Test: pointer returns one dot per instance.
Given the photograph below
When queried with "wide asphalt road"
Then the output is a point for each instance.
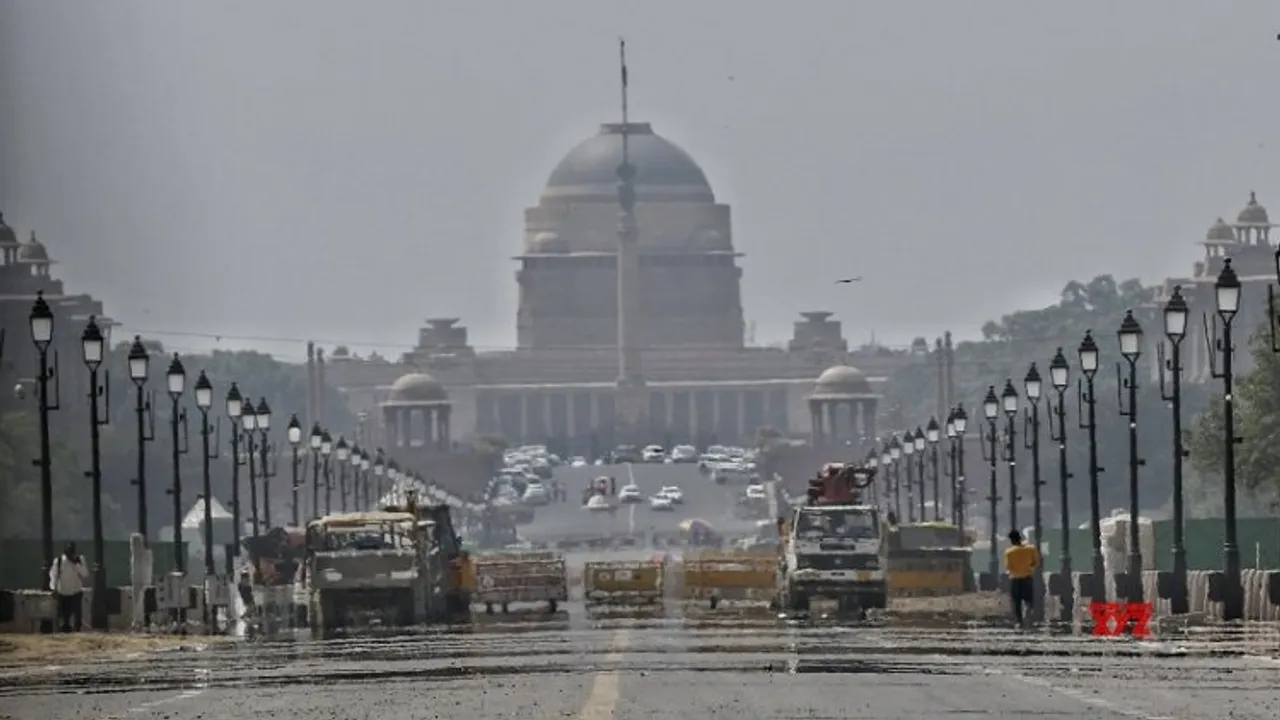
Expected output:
(740, 668)
(703, 499)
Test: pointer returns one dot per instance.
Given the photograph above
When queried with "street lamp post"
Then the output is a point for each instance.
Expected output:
(249, 423)
(886, 465)
(1227, 295)
(1130, 335)
(895, 454)
(1058, 377)
(961, 421)
(1009, 403)
(1175, 328)
(92, 343)
(918, 441)
(326, 447)
(41, 322)
(342, 452)
(932, 434)
(139, 366)
(1033, 386)
(950, 429)
(1088, 352)
(908, 451)
(379, 469)
(204, 401)
(262, 419)
(235, 409)
(176, 379)
(872, 462)
(294, 433)
(357, 503)
(314, 441)
(991, 410)
(364, 474)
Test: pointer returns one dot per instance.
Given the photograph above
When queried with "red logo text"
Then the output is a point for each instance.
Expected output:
(1111, 618)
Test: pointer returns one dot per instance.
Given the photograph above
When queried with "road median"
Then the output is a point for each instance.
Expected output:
(24, 650)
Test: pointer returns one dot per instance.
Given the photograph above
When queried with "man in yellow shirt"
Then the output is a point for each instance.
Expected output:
(1021, 562)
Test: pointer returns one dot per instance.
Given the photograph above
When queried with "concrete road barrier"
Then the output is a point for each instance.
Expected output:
(1259, 602)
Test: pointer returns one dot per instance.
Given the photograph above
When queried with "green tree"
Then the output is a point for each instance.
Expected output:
(20, 482)
(1257, 425)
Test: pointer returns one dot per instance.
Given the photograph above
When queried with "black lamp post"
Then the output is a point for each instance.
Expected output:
(249, 423)
(357, 503)
(1130, 335)
(908, 452)
(364, 478)
(1058, 377)
(41, 321)
(326, 447)
(343, 454)
(918, 442)
(872, 462)
(1009, 403)
(314, 440)
(1175, 328)
(379, 470)
(960, 420)
(950, 430)
(1227, 295)
(176, 380)
(1085, 396)
(991, 410)
(92, 343)
(886, 465)
(932, 434)
(139, 366)
(1033, 386)
(895, 454)
(262, 420)
(235, 408)
(294, 433)
(204, 401)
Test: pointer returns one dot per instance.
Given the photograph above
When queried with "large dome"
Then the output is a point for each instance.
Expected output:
(664, 171)
(417, 388)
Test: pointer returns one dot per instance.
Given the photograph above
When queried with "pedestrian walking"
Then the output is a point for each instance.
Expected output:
(66, 579)
(1021, 562)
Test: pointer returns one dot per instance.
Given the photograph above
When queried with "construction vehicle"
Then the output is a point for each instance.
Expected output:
(927, 559)
(520, 577)
(362, 563)
(831, 546)
(458, 573)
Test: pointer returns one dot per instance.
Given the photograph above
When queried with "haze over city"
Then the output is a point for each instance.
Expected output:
(325, 170)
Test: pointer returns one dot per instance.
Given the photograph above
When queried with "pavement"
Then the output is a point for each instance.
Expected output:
(703, 499)
(721, 665)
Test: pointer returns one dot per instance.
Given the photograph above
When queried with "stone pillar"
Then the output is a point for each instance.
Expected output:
(833, 417)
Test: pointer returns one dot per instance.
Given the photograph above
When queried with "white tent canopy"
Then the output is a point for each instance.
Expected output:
(195, 517)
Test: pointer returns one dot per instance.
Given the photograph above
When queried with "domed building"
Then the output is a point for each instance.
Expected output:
(694, 375)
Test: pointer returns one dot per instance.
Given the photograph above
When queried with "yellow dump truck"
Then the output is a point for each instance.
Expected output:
(928, 559)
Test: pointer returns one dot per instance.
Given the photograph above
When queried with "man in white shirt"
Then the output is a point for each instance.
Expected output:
(66, 579)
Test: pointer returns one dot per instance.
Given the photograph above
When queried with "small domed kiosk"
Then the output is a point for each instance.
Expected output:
(842, 407)
(416, 413)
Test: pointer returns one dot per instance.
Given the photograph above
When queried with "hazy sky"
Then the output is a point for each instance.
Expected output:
(342, 170)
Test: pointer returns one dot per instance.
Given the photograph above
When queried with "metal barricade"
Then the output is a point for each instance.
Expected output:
(623, 582)
(508, 578)
(729, 575)
(927, 573)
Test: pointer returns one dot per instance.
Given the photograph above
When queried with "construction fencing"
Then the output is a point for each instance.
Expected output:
(718, 575)
(508, 578)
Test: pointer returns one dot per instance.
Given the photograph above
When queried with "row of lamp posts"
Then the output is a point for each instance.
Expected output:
(360, 473)
(1000, 447)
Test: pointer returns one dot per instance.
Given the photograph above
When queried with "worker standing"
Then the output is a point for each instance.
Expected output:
(1021, 562)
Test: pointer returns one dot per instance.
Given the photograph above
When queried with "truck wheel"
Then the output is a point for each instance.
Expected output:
(715, 601)
(504, 608)
(488, 608)
(552, 606)
(798, 602)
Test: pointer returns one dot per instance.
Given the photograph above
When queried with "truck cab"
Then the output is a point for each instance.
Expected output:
(834, 551)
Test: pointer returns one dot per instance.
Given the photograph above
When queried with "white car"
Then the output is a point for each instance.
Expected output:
(684, 454)
(536, 494)
(598, 503)
(672, 493)
(578, 462)
(629, 494)
(661, 503)
(653, 454)
(755, 492)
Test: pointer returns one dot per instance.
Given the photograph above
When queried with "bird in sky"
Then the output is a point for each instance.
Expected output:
(850, 280)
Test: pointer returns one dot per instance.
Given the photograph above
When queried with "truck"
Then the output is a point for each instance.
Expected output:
(832, 546)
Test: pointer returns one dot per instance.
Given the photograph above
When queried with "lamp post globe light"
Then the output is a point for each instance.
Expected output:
(1130, 336)
(235, 408)
(294, 435)
(1227, 297)
(1175, 328)
(139, 370)
(1059, 376)
(314, 440)
(1009, 404)
(932, 434)
(91, 344)
(262, 418)
(919, 442)
(40, 321)
(991, 411)
(1033, 386)
(176, 384)
(326, 447)
(248, 424)
(960, 420)
(342, 452)
(1088, 353)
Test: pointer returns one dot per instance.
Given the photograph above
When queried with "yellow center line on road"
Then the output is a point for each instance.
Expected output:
(606, 685)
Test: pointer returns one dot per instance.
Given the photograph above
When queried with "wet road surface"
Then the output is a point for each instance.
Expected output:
(722, 665)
